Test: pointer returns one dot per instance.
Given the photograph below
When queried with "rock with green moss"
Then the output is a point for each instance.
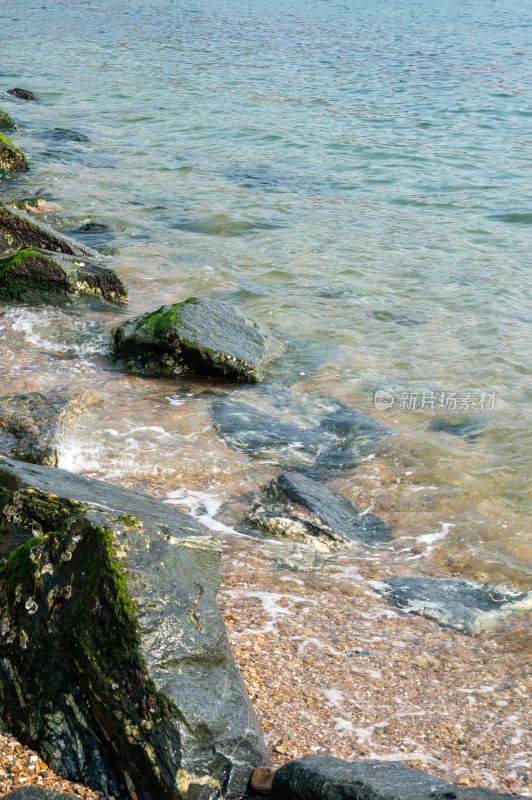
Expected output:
(198, 336)
(32, 425)
(114, 660)
(28, 203)
(32, 275)
(19, 229)
(11, 158)
(6, 123)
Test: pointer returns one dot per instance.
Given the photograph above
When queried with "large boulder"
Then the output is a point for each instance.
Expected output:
(32, 425)
(6, 123)
(19, 229)
(297, 507)
(11, 158)
(114, 660)
(456, 603)
(197, 336)
(328, 778)
(298, 430)
(32, 275)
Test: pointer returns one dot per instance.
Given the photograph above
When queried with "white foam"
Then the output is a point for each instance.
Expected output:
(203, 507)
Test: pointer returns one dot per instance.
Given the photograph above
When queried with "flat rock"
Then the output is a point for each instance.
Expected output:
(114, 660)
(328, 778)
(11, 158)
(6, 123)
(456, 602)
(33, 275)
(20, 229)
(197, 336)
(295, 429)
(468, 427)
(32, 425)
(36, 793)
(297, 507)
(22, 94)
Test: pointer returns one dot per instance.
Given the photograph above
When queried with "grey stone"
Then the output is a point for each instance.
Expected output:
(295, 506)
(327, 778)
(32, 425)
(36, 793)
(295, 429)
(456, 602)
(114, 660)
(197, 336)
(20, 229)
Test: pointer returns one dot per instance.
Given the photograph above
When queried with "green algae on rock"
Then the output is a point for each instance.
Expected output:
(114, 660)
(19, 229)
(6, 123)
(32, 275)
(11, 158)
(198, 336)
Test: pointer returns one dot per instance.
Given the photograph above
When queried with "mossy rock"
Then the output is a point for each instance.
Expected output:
(199, 337)
(115, 664)
(19, 229)
(11, 158)
(6, 123)
(32, 275)
(27, 203)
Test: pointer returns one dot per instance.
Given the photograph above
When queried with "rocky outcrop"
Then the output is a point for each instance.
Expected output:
(32, 425)
(456, 602)
(19, 229)
(11, 158)
(6, 123)
(114, 660)
(22, 94)
(32, 275)
(36, 793)
(327, 778)
(298, 430)
(198, 336)
(297, 507)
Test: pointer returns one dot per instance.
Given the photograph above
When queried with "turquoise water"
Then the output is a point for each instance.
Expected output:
(357, 177)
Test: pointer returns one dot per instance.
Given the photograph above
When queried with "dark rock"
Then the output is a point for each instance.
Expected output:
(327, 778)
(93, 227)
(114, 660)
(297, 507)
(32, 425)
(469, 427)
(32, 275)
(197, 336)
(11, 158)
(295, 429)
(66, 135)
(22, 230)
(36, 793)
(456, 602)
(22, 94)
(6, 123)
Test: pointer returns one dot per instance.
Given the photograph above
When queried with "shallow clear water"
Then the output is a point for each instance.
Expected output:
(357, 177)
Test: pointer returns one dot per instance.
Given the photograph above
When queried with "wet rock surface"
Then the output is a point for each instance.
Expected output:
(115, 664)
(22, 94)
(32, 425)
(456, 602)
(198, 336)
(6, 123)
(327, 778)
(295, 506)
(297, 430)
(19, 229)
(11, 159)
(33, 275)
(36, 793)
(468, 427)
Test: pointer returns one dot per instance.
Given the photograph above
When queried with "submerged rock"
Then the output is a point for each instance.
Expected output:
(6, 123)
(297, 507)
(32, 275)
(114, 660)
(295, 429)
(328, 778)
(27, 203)
(11, 158)
(22, 230)
(66, 135)
(22, 94)
(197, 336)
(469, 427)
(456, 602)
(32, 425)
